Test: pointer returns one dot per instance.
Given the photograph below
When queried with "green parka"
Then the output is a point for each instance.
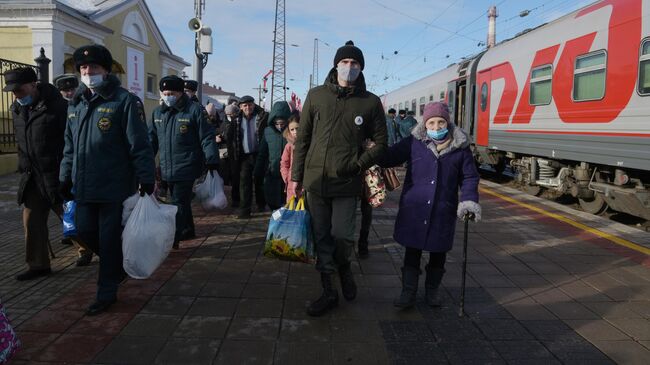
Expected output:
(328, 155)
(184, 138)
(270, 153)
(106, 151)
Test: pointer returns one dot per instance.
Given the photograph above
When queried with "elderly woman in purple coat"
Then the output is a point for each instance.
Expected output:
(439, 164)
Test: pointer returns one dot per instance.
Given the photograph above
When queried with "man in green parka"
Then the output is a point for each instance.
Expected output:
(180, 131)
(106, 155)
(267, 166)
(328, 160)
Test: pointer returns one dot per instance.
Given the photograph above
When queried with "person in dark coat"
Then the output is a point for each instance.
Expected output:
(106, 155)
(439, 165)
(231, 112)
(391, 127)
(179, 129)
(407, 124)
(67, 85)
(245, 135)
(267, 166)
(328, 160)
(39, 111)
(190, 88)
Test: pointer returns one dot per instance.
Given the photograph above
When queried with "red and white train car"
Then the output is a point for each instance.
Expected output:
(567, 104)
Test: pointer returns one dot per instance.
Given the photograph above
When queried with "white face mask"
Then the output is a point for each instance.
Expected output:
(92, 81)
(347, 73)
(169, 100)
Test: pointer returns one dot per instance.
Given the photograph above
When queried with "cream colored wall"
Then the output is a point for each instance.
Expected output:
(75, 40)
(16, 44)
(118, 46)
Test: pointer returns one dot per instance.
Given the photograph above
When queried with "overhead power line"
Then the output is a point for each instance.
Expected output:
(427, 25)
(420, 20)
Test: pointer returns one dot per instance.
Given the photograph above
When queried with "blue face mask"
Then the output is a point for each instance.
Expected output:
(169, 100)
(25, 101)
(437, 135)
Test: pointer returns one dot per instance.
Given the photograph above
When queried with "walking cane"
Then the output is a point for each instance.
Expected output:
(466, 218)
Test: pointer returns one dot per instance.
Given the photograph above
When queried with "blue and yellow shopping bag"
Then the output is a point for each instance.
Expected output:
(289, 236)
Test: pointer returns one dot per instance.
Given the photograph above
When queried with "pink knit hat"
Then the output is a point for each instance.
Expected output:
(435, 109)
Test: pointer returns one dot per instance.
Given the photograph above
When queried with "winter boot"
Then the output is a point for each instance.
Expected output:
(348, 286)
(431, 285)
(410, 276)
(329, 299)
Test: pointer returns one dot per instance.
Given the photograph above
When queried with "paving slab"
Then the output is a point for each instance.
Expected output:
(539, 291)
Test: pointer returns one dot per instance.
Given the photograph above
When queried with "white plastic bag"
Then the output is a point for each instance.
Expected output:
(148, 236)
(127, 207)
(210, 192)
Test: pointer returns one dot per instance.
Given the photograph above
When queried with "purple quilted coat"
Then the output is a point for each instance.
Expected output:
(427, 209)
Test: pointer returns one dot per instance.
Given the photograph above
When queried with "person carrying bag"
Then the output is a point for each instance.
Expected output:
(289, 236)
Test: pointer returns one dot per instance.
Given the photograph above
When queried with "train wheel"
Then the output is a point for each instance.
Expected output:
(595, 205)
(532, 189)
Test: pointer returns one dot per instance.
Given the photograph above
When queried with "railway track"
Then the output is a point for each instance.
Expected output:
(507, 178)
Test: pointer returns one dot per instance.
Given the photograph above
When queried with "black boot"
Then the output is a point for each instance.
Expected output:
(410, 277)
(348, 286)
(329, 299)
(431, 285)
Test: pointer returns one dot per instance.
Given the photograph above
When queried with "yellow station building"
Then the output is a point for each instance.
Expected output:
(126, 27)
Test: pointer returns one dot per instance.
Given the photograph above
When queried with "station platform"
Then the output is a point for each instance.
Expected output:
(545, 285)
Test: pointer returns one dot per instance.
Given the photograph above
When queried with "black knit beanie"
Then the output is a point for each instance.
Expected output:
(349, 51)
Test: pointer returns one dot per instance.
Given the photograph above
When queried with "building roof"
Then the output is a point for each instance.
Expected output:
(214, 90)
(92, 7)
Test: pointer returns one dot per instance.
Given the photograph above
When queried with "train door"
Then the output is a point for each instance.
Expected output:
(483, 115)
(450, 99)
(460, 105)
(456, 95)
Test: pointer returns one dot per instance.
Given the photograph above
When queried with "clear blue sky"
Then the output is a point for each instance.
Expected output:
(427, 35)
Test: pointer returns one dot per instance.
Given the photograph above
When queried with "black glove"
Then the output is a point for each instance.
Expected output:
(350, 170)
(212, 166)
(146, 189)
(65, 189)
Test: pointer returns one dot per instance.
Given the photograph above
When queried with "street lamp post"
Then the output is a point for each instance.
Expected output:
(202, 46)
(313, 82)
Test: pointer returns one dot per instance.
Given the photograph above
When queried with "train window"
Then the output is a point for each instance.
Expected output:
(442, 96)
(406, 105)
(484, 95)
(431, 97)
(644, 68)
(422, 101)
(413, 105)
(589, 76)
(450, 100)
(401, 106)
(540, 85)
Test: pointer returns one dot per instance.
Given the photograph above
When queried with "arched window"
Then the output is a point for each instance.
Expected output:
(135, 28)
